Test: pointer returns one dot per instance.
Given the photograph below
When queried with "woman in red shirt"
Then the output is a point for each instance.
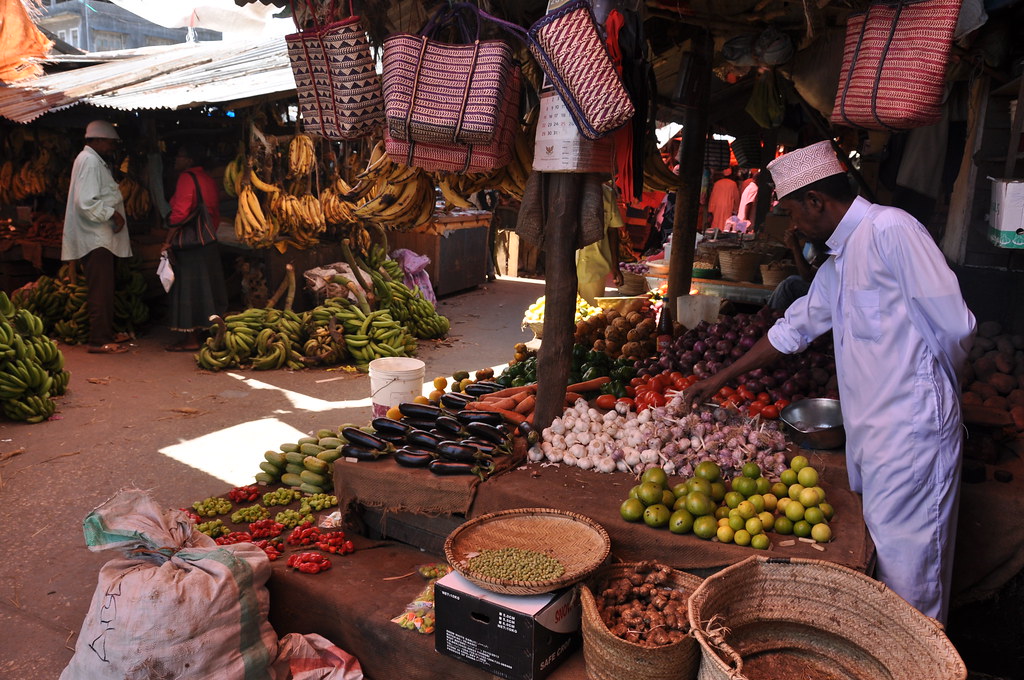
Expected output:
(199, 290)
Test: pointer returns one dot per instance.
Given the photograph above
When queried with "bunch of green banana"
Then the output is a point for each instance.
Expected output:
(415, 312)
(130, 309)
(263, 338)
(375, 335)
(31, 366)
(233, 172)
(45, 298)
(326, 343)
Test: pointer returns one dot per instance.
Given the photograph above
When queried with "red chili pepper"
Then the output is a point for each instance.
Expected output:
(304, 534)
(244, 494)
(265, 528)
(309, 563)
(234, 537)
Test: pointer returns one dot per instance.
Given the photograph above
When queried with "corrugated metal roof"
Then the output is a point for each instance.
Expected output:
(176, 77)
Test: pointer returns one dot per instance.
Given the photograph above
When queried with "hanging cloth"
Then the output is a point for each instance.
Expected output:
(622, 139)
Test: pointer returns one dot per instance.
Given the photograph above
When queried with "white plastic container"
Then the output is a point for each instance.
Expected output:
(394, 380)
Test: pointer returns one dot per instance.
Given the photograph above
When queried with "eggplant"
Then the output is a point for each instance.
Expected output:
(483, 445)
(370, 441)
(361, 452)
(427, 440)
(455, 400)
(418, 424)
(413, 457)
(392, 437)
(382, 425)
(460, 452)
(488, 432)
(449, 425)
(525, 429)
(447, 467)
(411, 409)
(479, 389)
(467, 417)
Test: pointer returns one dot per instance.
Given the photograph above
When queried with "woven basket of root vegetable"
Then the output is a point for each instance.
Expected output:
(527, 551)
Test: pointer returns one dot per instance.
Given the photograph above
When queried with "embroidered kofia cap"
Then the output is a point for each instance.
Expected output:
(799, 168)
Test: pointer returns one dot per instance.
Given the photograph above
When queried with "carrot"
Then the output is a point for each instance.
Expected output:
(518, 398)
(510, 416)
(511, 391)
(507, 403)
(571, 397)
(526, 406)
(589, 385)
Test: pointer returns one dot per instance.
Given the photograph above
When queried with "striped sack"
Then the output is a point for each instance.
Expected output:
(894, 64)
(575, 59)
(336, 80)
(444, 93)
(464, 158)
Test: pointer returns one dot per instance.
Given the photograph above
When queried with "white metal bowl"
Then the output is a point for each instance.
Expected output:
(815, 423)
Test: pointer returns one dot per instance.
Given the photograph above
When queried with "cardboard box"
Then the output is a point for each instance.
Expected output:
(518, 637)
(1006, 216)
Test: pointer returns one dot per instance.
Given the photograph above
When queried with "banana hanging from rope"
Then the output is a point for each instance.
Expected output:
(301, 155)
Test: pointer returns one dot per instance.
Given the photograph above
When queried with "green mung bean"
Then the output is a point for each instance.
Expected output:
(516, 564)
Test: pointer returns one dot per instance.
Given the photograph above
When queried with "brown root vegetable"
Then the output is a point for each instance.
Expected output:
(968, 398)
(1015, 397)
(1017, 413)
(1003, 383)
(982, 389)
(998, 403)
(988, 330)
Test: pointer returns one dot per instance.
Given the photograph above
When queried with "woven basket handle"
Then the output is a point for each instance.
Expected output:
(446, 15)
(714, 636)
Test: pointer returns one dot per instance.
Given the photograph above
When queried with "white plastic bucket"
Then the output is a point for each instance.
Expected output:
(394, 380)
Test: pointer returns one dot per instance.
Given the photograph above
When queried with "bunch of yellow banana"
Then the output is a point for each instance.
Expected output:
(252, 227)
(136, 197)
(233, 173)
(28, 181)
(405, 200)
(657, 176)
(337, 211)
(301, 155)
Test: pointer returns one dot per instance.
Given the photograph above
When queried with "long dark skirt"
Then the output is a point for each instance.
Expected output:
(198, 289)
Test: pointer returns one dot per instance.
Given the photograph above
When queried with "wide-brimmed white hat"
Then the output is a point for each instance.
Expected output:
(799, 168)
(100, 129)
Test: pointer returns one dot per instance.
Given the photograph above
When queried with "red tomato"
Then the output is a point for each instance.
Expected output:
(755, 408)
(636, 381)
(626, 400)
(770, 411)
(657, 399)
(727, 391)
(605, 401)
(781, 404)
(746, 394)
(657, 384)
(630, 391)
(764, 397)
(691, 379)
(676, 376)
(680, 383)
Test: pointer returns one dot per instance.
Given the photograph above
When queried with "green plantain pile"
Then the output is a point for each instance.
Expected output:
(31, 366)
(258, 338)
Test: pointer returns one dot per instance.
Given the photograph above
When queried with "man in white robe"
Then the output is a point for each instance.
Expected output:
(902, 332)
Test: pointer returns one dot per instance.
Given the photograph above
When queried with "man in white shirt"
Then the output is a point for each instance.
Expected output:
(94, 230)
(901, 332)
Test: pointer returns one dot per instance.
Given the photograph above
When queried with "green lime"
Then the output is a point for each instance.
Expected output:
(680, 503)
(794, 491)
(700, 484)
(767, 520)
(802, 528)
(783, 525)
(709, 470)
(717, 491)
(633, 491)
(681, 522)
(799, 463)
(722, 511)
(779, 490)
(787, 478)
(763, 485)
(814, 516)
(754, 526)
(649, 493)
(745, 485)
(631, 510)
(747, 509)
(807, 476)
(657, 515)
(668, 498)
(752, 470)
(733, 498)
(737, 522)
(760, 542)
(741, 537)
(809, 497)
(770, 502)
(795, 511)
(699, 503)
(656, 475)
(705, 527)
(681, 489)
(822, 533)
(725, 534)
(757, 500)
(827, 510)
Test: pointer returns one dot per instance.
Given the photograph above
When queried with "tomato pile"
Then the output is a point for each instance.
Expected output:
(652, 391)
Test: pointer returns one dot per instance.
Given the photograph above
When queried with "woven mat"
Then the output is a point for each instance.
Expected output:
(385, 484)
(598, 496)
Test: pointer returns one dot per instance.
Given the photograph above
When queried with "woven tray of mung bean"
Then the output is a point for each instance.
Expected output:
(527, 551)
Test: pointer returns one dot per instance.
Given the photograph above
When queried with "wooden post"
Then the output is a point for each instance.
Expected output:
(554, 359)
(693, 94)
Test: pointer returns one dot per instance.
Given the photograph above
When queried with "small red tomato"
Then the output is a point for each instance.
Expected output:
(636, 381)
(605, 401)
(630, 391)
(770, 411)
(727, 391)
(657, 399)
(627, 401)
(691, 379)
(755, 409)
(680, 383)
(657, 384)
(764, 397)
(746, 394)
(676, 376)
(781, 404)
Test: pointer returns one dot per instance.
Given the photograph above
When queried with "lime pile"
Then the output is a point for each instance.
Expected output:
(741, 511)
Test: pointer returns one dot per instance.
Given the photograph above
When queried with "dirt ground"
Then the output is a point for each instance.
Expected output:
(150, 419)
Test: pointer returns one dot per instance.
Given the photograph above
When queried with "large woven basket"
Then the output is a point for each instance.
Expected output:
(609, 657)
(769, 618)
(578, 542)
(773, 274)
(633, 284)
(739, 264)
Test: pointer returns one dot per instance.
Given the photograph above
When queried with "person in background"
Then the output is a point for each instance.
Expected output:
(199, 290)
(748, 198)
(807, 257)
(595, 261)
(902, 332)
(724, 200)
(95, 233)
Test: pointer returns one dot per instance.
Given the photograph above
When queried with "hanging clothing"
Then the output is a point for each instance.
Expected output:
(724, 202)
(595, 261)
(902, 331)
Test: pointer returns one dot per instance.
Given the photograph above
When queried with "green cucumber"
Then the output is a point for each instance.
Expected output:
(270, 468)
(295, 457)
(294, 468)
(330, 455)
(308, 440)
(288, 479)
(265, 478)
(326, 433)
(276, 458)
(314, 464)
(310, 477)
(331, 442)
(311, 449)
(289, 448)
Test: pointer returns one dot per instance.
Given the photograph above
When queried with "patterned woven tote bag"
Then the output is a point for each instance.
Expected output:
(445, 93)
(575, 59)
(894, 64)
(336, 80)
(465, 158)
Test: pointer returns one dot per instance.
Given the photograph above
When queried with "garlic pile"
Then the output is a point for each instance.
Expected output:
(625, 441)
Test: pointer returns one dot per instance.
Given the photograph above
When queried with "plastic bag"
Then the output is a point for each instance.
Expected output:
(317, 281)
(165, 272)
(314, 657)
(414, 265)
(419, 614)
